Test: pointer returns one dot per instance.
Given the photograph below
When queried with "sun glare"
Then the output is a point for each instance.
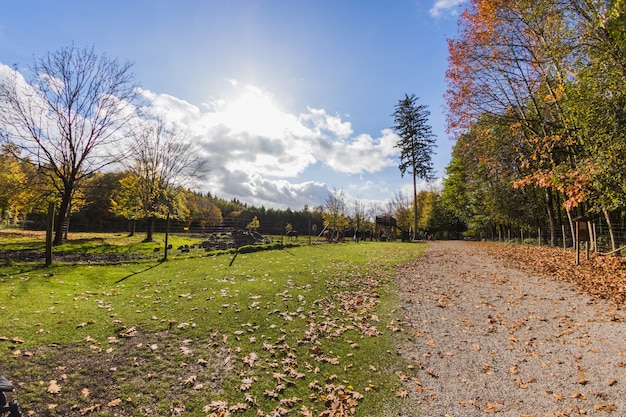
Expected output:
(257, 115)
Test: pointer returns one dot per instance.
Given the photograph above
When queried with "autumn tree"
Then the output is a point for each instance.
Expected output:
(160, 161)
(98, 191)
(255, 224)
(203, 211)
(416, 142)
(15, 190)
(65, 115)
(359, 218)
(335, 216)
(402, 210)
(513, 61)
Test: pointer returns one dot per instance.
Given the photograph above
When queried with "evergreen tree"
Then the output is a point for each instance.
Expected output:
(416, 143)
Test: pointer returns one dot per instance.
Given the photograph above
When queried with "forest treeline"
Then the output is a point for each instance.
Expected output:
(103, 203)
(536, 101)
(99, 205)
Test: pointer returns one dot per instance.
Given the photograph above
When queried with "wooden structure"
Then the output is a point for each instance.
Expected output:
(582, 235)
(386, 228)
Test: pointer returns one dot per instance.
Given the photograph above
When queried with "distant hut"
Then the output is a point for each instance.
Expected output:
(386, 228)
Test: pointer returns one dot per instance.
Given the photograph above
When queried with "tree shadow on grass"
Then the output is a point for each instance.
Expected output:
(137, 273)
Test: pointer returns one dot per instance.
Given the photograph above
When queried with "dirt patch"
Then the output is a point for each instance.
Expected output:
(491, 338)
(141, 374)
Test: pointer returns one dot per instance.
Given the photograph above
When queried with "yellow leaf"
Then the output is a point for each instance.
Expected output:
(85, 392)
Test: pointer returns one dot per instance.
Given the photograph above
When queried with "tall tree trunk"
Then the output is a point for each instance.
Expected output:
(571, 228)
(414, 202)
(167, 234)
(66, 199)
(609, 224)
(551, 219)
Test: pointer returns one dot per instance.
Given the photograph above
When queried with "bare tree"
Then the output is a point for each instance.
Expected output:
(72, 105)
(161, 161)
(360, 214)
(335, 214)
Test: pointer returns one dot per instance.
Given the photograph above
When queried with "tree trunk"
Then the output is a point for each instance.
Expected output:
(572, 229)
(414, 204)
(609, 224)
(149, 230)
(167, 234)
(132, 224)
(551, 219)
(62, 217)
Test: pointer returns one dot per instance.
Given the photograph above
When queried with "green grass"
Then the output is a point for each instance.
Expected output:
(307, 328)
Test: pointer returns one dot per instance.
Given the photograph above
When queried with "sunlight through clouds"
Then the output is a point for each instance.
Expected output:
(254, 147)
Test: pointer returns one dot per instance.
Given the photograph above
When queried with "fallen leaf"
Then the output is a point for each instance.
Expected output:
(190, 380)
(605, 407)
(53, 387)
(491, 408)
(402, 393)
(85, 392)
(114, 403)
(91, 409)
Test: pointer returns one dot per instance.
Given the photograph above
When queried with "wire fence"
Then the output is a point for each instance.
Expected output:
(597, 235)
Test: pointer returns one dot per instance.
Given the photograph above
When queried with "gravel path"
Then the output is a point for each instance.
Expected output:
(489, 338)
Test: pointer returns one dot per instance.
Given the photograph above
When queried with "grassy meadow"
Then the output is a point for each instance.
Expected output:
(306, 331)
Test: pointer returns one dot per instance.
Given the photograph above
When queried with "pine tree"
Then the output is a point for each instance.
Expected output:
(416, 143)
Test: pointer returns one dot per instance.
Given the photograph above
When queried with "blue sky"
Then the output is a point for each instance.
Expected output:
(288, 100)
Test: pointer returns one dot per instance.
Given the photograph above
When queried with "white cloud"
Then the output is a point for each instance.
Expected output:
(257, 151)
(445, 6)
(362, 153)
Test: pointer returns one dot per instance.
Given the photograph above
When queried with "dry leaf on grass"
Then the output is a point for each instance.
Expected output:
(90, 409)
(114, 403)
(402, 393)
(53, 387)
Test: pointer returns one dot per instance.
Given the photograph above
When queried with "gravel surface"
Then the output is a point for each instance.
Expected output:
(490, 339)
